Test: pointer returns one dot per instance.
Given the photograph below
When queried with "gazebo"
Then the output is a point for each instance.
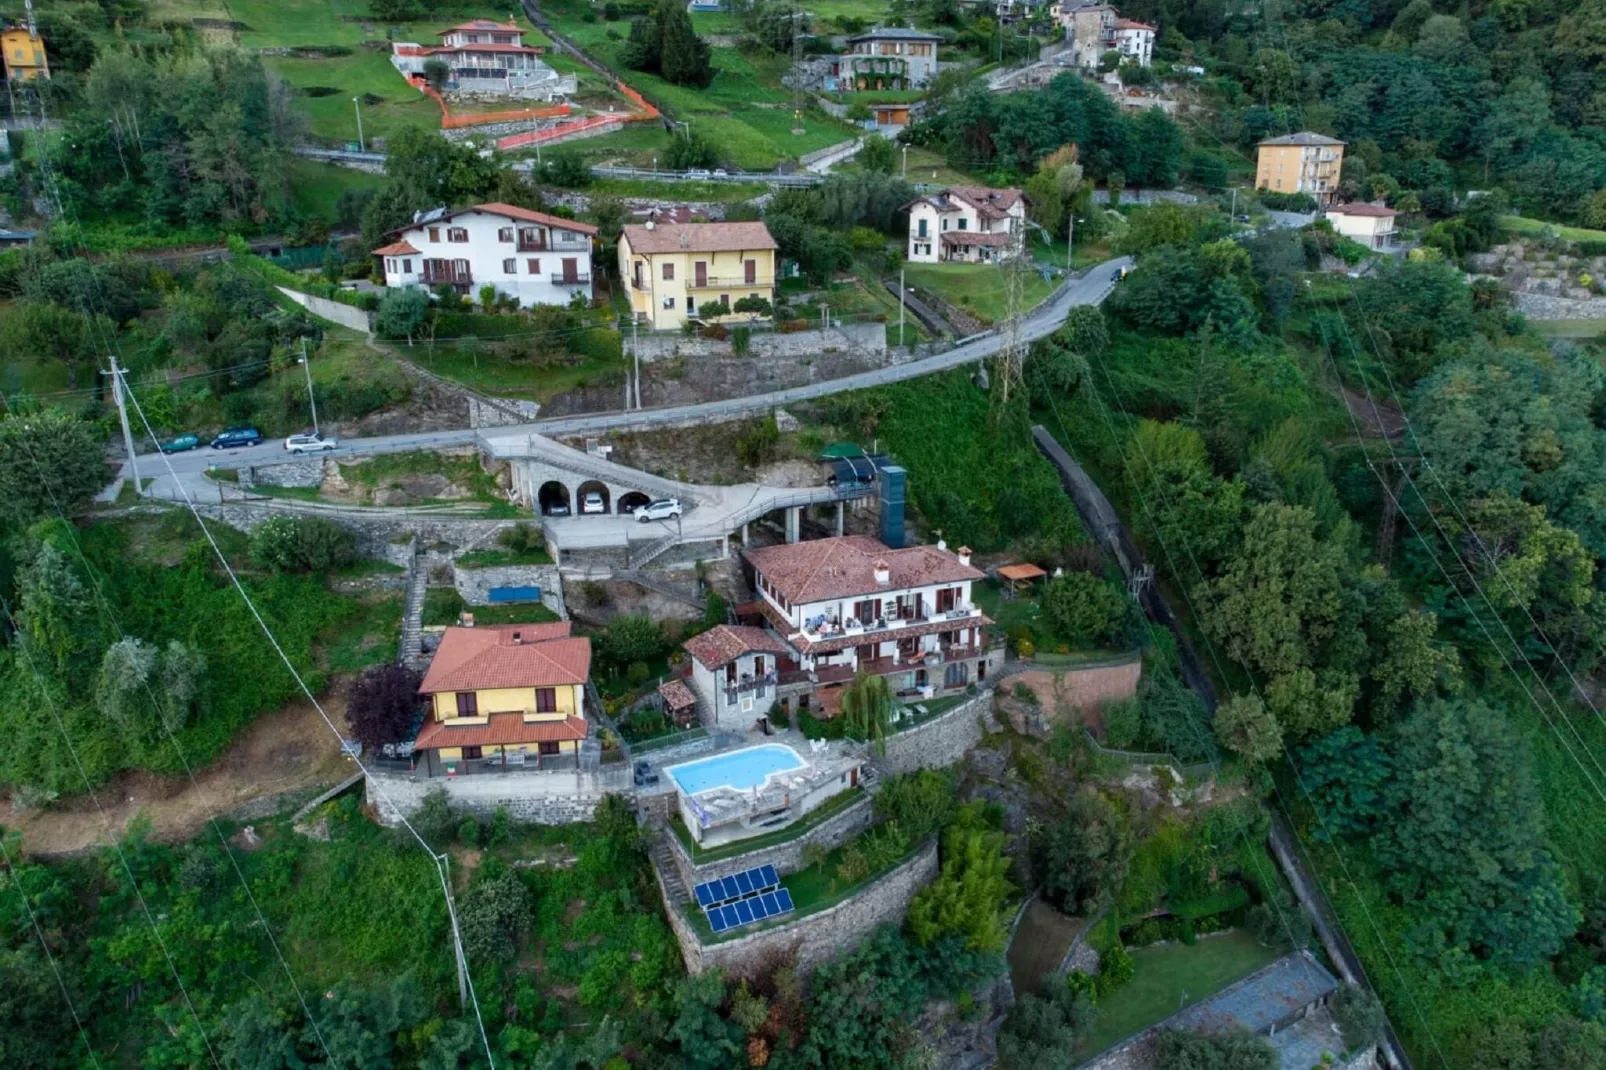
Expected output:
(679, 703)
(1014, 575)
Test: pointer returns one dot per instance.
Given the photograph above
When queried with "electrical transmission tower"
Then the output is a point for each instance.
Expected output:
(797, 70)
(1012, 358)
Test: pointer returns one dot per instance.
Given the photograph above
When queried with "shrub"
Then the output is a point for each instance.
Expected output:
(302, 544)
(1123, 724)
(468, 833)
(741, 341)
(522, 538)
(1115, 969)
(383, 704)
(433, 818)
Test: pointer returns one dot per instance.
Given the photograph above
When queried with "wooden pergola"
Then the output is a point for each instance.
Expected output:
(1014, 575)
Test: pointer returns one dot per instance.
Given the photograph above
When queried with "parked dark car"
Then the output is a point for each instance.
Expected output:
(180, 443)
(235, 437)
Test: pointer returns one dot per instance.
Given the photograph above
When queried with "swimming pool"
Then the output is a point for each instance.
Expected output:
(743, 770)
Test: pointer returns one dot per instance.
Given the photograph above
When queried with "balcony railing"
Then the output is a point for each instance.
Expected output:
(433, 276)
(713, 282)
(853, 627)
(560, 279)
(533, 246)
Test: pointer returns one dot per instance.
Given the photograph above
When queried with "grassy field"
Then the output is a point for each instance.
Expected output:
(1570, 328)
(317, 187)
(1531, 227)
(443, 605)
(1169, 978)
(980, 289)
(500, 377)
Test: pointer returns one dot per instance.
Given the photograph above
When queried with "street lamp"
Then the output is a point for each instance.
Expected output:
(906, 163)
(356, 103)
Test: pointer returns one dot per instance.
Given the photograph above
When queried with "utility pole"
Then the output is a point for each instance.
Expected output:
(635, 351)
(1070, 238)
(312, 402)
(356, 103)
(443, 864)
(906, 163)
(1234, 212)
(118, 388)
(797, 71)
(902, 296)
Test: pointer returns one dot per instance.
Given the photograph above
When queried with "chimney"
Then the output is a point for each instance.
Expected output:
(883, 573)
(466, 619)
(517, 639)
(964, 555)
(942, 544)
(650, 225)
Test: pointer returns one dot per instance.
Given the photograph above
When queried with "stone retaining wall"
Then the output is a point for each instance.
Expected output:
(333, 311)
(541, 798)
(810, 940)
(475, 584)
(942, 740)
(868, 341)
(785, 857)
(1545, 307)
(377, 536)
(301, 472)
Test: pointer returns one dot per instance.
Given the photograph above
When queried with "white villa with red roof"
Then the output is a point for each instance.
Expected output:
(833, 608)
(510, 695)
(538, 258)
(1370, 224)
(485, 57)
(967, 224)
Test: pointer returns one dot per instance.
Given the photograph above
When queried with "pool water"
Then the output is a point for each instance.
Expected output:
(742, 770)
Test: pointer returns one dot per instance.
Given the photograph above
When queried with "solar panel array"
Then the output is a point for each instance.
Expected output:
(743, 898)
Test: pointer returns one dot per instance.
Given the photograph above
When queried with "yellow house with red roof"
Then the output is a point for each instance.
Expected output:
(511, 695)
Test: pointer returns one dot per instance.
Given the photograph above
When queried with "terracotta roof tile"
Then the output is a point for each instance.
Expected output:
(824, 569)
(473, 659)
(514, 212)
(727, 642)
(396, 248)
(976, 237)
(676, 695)
(1361, 208)
(700, 238)
(501, 730)
(482, 24)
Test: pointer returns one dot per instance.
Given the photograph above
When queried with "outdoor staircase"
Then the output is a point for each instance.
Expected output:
(674, 887)
(412, 634)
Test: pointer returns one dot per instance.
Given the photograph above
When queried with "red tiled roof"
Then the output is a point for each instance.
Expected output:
(727, 642)
(396, 248)
(838, 568)
(436, 50)
(676, 695)
(489, 25)
(1131, 24)
(1361, 208)
(501, 730)
(699, 238)
(528, 216)
(473, 659)
(899, 630)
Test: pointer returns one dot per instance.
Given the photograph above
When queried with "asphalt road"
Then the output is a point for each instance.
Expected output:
(1091, 289)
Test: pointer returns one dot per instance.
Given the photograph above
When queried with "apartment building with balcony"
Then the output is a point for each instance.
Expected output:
(967, 224)
(1301, 163)
(887, 59)
(670, 271)
(538, 258)
(484, 56)
(851, 604)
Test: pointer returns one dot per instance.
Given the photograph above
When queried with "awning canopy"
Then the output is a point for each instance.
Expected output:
(1020, 573)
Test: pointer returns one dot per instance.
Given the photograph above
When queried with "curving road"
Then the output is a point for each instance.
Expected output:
(1091, 289)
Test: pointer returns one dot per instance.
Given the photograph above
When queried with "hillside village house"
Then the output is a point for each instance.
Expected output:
(888, 59)
(504, 696)
(734, 672)
(1370, 224)
(1300, 163)
(538, 258)
(24, 53)
(670, 271)
(485, 57)
(967, 224)
(851, 603)
(1094, 29)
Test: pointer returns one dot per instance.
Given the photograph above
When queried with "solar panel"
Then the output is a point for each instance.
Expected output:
(705, 898)
(716, 921)
(744, 911)
(732, 919)
(744, 882)
(784, 898)
(760, 911)
(770, 879)
(771, 905)
(731, 889)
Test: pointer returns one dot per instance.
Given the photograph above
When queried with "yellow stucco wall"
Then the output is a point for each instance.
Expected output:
(24, 55)
(1277, 167)
(455, 754)
(725, 272)
(509, 700)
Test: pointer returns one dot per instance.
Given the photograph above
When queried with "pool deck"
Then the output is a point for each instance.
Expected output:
(721, 808)
(680, 771)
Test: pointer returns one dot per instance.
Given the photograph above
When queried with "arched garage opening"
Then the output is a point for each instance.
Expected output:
(630, 501)
(554, 496)
(586, 490)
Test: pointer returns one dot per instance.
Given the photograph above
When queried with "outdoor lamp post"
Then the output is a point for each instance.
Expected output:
(356, 103)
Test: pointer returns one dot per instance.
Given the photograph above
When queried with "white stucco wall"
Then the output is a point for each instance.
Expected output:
(486, 254)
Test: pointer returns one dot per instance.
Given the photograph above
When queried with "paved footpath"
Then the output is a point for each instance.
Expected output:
(1091, 289)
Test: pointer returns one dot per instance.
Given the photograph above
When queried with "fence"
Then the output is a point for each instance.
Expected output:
(1133, 757)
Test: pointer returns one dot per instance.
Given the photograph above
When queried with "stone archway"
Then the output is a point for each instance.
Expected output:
(592, 486)
(553, 495)
(632, 500)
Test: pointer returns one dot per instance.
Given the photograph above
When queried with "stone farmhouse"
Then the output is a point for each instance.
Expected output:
(1094, 29)
(537, 258)
(967, 224)
(886, 59)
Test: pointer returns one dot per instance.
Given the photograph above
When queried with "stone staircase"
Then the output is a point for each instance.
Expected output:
(412, 634)
(674, 887)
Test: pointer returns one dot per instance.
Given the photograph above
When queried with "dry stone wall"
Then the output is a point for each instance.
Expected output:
(377, 536)
(810, 940)
(867, 341)
(942, 740)
(474, 584)
(539, 798)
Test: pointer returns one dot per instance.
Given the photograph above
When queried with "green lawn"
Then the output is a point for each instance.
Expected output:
(443, 605)
(317, 187)
(501, 377)
(1569, 328)
(1170, 977)
(498, 558)
(1531, 227)
(980, 289)
(369, 638)
(389, 103)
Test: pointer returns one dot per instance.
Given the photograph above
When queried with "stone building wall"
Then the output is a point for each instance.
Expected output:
(541, 798)
(868, 341)
(475, 584)
(942, 740)
(376, 535)
(301, 472)
(1065, 690)
(785, 857)
(810, 940)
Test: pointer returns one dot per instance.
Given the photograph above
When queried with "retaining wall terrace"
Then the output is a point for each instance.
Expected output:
(541, 798)
(813, 939)
(376, 535)
(868, 341)
(942, 740)
(333, 311)
(475, 584)
(785, 857)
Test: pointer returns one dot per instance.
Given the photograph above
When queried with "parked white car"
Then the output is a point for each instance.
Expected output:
(662, 509)
(310, 443)
(593, 503)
